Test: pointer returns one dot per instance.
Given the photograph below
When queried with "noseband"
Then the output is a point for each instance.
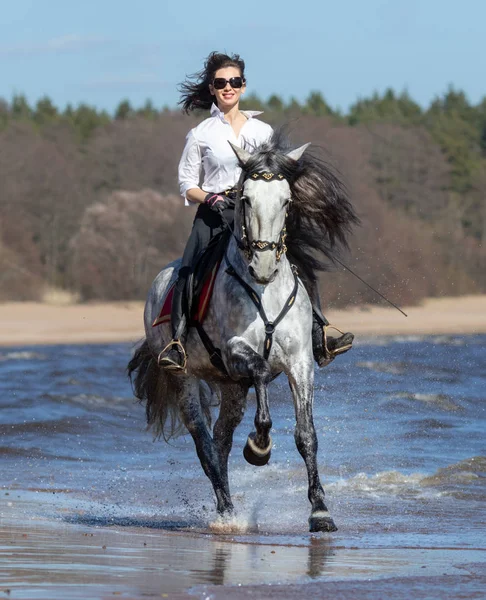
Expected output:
(251, 246)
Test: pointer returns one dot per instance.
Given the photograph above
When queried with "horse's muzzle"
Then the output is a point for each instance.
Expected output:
(262, 280)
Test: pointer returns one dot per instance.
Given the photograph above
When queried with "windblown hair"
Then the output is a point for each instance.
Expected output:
(194, 90)
(320, 216)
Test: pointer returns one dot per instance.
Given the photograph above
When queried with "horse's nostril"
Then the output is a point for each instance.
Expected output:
(251, 270)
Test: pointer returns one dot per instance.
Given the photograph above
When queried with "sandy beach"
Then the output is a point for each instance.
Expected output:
(28, 323)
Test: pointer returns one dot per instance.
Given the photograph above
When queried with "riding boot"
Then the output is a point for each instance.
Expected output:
(173, 357)
(325, 349)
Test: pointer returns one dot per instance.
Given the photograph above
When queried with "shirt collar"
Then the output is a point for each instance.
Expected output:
(215, 112)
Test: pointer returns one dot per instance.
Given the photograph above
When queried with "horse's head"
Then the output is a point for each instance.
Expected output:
(261, 210)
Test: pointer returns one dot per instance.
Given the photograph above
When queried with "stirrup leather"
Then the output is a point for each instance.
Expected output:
(171, 366)
(333, 353)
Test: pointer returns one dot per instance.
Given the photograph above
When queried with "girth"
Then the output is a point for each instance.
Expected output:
(269, 325)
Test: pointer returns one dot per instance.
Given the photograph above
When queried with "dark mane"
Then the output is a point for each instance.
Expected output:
(321, 215)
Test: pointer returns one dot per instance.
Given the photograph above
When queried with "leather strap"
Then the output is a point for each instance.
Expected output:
(214, 353)
(269, 325)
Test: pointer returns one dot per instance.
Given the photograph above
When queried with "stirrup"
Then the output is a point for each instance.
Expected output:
(330, 354)
(170, 365)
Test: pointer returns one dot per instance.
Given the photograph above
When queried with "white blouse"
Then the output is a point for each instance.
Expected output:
(208, 162)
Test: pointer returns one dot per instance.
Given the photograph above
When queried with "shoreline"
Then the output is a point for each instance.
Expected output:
(31, 323)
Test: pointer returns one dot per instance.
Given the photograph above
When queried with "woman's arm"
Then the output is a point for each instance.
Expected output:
(196, 195)
(190, 167)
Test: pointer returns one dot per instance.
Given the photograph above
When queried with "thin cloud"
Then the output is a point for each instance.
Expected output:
(66, 43)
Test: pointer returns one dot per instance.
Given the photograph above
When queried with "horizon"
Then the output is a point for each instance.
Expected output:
(176, 108)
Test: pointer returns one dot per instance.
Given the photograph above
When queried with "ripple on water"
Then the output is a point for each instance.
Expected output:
(22, 355)
(453, 480)
(441, 401)
(468, 471)
(74, 425)
(32, 453)
(395, 368)
(92, 400)
(428, 428)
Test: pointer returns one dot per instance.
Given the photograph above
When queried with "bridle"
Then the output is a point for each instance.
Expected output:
(248, 246)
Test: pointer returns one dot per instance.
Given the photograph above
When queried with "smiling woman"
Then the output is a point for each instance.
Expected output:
(209, 171)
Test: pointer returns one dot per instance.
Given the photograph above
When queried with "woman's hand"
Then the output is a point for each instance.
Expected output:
(217, 202)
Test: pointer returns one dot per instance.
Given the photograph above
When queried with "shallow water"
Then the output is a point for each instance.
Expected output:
(401, 425)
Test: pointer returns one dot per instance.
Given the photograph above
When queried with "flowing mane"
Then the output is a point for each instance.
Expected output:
(321, 215)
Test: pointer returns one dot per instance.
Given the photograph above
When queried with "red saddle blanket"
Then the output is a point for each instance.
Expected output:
(202, 301)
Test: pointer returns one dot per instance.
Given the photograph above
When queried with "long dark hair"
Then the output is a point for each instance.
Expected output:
(194, 90)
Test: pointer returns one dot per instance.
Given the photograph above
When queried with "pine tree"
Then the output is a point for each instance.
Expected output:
(275, 103)
(20, 108)
(317, 106)
(45, 112)
(124, 111)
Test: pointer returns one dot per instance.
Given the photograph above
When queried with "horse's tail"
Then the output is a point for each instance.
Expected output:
(161, 392)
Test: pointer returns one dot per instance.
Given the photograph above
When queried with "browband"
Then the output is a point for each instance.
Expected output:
(266, 176)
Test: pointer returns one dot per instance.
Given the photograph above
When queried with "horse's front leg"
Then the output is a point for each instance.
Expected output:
(193, 418)
(301, 380)
(231, 412)
(244, 363)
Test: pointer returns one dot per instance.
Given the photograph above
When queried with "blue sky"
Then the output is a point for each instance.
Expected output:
(102, 51)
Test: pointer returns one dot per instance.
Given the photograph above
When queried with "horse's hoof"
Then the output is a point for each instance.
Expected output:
(254, 455)
(321, 521)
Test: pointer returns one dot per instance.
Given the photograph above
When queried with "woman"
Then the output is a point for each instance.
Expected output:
(208, 173)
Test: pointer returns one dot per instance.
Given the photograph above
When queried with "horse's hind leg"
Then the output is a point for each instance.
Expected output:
(301, 379)
(245, 363)
(193, 418)
(230, 414)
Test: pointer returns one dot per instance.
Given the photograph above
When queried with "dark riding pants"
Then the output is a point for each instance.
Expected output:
(207, 223)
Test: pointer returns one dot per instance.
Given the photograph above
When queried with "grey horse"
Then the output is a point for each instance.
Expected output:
(259, 318)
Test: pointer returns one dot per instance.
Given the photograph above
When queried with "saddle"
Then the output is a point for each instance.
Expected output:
(199, 285)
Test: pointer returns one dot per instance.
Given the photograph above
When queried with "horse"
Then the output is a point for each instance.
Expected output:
(290, 206)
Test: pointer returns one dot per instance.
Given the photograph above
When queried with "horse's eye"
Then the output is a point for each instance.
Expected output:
(287, 202)
(246, 200)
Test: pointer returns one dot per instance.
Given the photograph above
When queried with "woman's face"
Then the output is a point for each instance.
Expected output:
(228, 97)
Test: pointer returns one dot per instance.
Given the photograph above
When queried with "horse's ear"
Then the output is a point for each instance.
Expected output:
(241, 154)
(297, 153)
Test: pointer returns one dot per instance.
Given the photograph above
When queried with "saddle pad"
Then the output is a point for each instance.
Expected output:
(202, 302)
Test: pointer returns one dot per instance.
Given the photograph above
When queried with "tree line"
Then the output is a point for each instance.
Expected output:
(89, 201)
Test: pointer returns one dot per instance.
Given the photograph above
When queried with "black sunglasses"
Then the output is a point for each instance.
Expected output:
(235, 82)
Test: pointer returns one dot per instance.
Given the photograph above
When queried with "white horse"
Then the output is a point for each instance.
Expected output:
(259, 318)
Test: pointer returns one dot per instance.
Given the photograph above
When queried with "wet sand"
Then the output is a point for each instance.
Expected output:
(145, 558)
(34, 323)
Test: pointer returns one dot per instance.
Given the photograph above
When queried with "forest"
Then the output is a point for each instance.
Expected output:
(89, 201)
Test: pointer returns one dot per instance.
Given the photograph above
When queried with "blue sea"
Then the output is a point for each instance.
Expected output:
(401, 423)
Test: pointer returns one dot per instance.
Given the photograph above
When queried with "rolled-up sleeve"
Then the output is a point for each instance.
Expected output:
(190, 166)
